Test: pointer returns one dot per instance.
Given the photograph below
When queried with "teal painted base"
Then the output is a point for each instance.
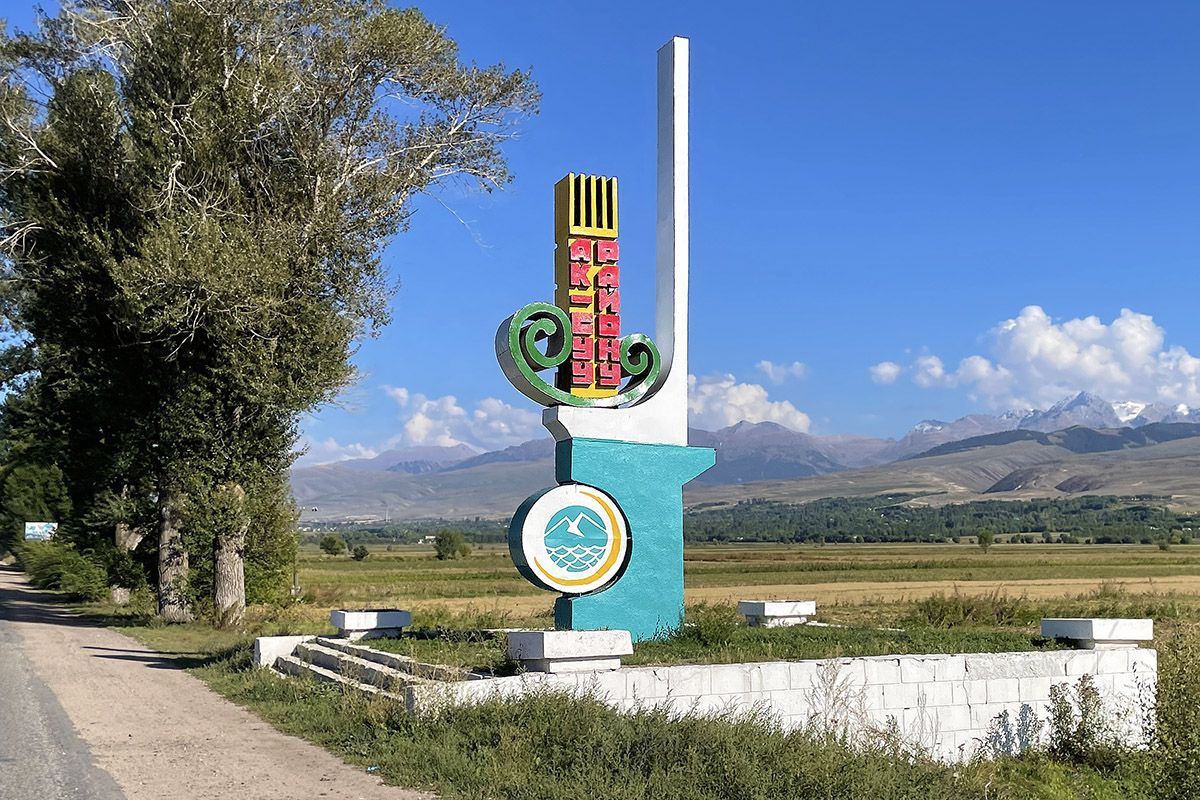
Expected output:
(647, 482)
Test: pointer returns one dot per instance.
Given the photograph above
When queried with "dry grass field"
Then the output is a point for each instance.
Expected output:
(849, 582)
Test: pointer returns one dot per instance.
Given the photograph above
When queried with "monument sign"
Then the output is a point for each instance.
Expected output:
(609, 536)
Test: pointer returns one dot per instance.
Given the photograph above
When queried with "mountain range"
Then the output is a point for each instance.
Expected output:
(976, 454)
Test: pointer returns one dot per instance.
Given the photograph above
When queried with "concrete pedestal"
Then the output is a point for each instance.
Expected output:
(1100, 634)
(776, 613)
(569, 651)
(371, 623)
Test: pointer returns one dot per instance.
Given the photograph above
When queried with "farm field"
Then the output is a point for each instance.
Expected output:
(849, 582)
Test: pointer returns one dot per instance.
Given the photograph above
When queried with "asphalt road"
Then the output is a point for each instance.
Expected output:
(41, 755)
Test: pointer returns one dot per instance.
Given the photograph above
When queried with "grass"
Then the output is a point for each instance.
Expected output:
(552, 746)
(872, 578)
(790, 644)
(974, 616)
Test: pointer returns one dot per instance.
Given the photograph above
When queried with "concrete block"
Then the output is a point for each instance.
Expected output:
(803, 674)
(605, 685)
(897, 696)
(777, 613)
(983, 714)
(917, 669)
(850, 671)
(1144, 659)
(953, 718)
(1036, 689)
(269, 648)
(770, 677)
(1003, 690)
(1099, 634)
(370, 622)
(881, 669)
(1109, 662)
(688, 681)
(714, 704)
(1080, 663)
(1126, 687)
(976, 692)
(569, 651)
(791, 703)
(950, 668)
(873, 699)
(937, 693)
(730, 679)
(981, 666)
(645, 684)
(918, 723)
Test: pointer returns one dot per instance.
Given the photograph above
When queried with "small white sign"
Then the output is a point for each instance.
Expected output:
(40, 531)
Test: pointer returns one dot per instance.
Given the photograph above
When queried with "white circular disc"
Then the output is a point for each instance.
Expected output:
(574, 539)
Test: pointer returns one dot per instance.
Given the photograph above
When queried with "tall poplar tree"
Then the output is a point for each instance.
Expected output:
(194, 195)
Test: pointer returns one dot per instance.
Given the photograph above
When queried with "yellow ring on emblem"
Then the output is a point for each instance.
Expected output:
(608, 562)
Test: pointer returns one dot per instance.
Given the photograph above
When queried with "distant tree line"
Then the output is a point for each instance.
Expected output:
(476, 531)
(1107, 519)
(891, 518)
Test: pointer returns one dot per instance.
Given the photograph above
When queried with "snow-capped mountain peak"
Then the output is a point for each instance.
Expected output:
(1128, 410)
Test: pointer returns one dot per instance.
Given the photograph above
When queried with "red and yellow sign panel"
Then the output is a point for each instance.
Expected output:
(588, 283)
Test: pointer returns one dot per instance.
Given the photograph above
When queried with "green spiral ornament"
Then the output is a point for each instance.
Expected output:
(521, 358)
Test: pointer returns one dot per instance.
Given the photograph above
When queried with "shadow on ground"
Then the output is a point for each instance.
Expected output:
(22, 603)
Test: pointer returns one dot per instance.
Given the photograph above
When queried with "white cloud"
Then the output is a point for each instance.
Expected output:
(397, 393)
(718, 401)
(885, 372)
(930, 371)
(778, 373)
(493, 424)
(329, 451)
(1036, 362)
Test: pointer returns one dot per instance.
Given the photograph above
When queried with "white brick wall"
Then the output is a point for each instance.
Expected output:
(944, 703)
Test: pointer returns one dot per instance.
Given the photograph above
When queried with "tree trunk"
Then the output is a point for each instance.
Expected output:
(229, 570)
(126, 537)
(172, 559)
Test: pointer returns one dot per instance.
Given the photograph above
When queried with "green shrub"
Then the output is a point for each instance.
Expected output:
(449, 544)
(959, 610)
(50, 565)
(360, 552)
(712, 625)
(333, 545)
(1177, 712)
(1081, 728)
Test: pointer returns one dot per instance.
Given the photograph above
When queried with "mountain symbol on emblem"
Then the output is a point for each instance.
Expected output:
(576, 539)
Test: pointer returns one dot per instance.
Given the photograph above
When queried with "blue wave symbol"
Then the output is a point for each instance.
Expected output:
(576, 538)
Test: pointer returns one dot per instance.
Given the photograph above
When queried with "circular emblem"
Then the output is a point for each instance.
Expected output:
(571, 538)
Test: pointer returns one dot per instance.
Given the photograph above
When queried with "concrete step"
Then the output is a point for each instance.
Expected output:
(405, 664)
(296, 667)
(356, 669)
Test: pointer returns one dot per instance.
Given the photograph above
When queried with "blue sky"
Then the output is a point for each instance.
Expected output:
(933, 207)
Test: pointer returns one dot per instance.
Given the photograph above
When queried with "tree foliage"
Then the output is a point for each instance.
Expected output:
(193, 199)
(332, 545)
(985, 539)
(450, 544)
